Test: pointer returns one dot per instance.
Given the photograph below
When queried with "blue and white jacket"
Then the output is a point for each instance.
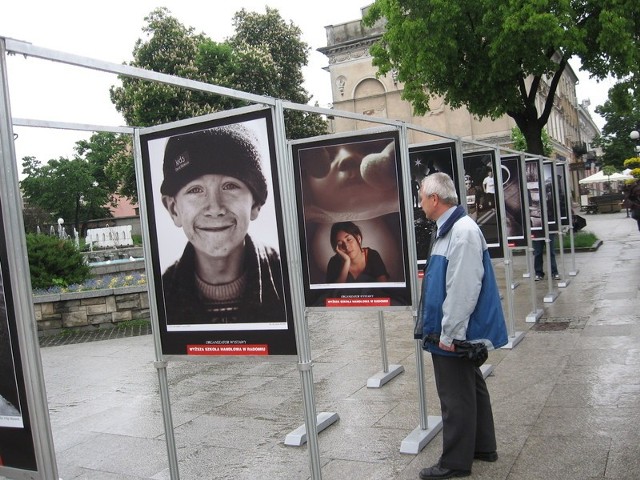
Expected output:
(460, 298)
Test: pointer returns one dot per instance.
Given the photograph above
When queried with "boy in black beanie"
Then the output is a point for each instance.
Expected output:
(213, 188)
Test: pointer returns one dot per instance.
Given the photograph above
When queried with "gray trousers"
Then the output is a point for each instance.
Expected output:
(467, 417)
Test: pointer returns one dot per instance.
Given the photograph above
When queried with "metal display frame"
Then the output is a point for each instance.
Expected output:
(413, 443)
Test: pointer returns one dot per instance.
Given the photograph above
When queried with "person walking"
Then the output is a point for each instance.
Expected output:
(632, 200)
(460, 302)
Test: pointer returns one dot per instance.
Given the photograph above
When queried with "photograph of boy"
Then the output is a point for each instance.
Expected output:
(213, 188)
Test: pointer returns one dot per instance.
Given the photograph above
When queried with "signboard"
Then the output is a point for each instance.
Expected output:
(216, 233)
(349, 196)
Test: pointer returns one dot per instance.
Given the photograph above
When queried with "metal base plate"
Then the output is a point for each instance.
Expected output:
(299, 436)
(380, 378)
(418, 438)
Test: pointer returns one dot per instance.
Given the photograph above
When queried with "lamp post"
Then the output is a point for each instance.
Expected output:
(635, 135)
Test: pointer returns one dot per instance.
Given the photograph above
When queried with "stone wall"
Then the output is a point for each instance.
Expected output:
(91, 309)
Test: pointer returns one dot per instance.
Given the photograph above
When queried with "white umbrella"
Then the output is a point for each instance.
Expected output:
(600, 177)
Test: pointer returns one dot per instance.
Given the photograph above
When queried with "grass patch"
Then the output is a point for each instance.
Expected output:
(140, 322)
(582, 239)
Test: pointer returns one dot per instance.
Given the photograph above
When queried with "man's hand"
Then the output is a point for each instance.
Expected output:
(447, 348)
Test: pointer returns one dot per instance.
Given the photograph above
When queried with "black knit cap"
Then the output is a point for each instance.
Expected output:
(228, 150)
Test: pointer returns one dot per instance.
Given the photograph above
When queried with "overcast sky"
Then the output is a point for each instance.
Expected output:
(107, 31)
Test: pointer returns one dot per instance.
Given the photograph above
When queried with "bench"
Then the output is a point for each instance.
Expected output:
(610, 203)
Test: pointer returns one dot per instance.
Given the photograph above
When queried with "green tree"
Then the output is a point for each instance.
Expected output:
(265, 57)
(65, 188)
(622, 115)
(493, 56)
(520, 143)
(111, 159)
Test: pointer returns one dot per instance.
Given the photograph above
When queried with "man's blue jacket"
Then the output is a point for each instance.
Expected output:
(460, 297)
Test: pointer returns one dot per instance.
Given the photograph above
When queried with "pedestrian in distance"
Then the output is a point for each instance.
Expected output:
(460, 303)
(538, 263)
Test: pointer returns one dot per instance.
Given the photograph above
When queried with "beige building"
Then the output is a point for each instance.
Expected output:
(356, 89)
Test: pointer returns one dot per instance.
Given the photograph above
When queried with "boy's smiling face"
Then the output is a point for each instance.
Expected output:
(214, 212)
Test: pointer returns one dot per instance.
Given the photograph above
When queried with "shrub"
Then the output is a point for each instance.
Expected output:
(53, 261)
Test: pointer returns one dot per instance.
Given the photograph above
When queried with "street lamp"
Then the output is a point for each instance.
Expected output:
(635, 135)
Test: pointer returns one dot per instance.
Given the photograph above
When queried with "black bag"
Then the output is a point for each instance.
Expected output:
(476, 353)
(578, 223)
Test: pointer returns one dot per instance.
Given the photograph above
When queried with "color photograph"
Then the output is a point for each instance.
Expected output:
(350, 210)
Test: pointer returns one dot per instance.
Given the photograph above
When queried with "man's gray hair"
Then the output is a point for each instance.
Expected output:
(441, 185)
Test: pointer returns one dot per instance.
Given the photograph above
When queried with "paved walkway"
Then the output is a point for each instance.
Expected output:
(566, 399)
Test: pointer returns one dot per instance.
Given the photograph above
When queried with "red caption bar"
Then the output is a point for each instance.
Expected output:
(227, 350)
(357, 302)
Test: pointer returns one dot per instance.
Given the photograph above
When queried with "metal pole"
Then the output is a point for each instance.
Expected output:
(511, 327)
(160, 364)
(294, 264)
(383, 342)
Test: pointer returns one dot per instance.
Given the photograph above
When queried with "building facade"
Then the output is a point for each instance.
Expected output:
(356, 89)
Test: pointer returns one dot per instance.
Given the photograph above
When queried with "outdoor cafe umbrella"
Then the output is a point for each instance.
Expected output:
(600, 177)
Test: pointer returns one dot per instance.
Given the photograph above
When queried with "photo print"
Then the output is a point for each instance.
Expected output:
(217, 236)
(351, 215)
(425, 160)
(479, 174)
(514, 200)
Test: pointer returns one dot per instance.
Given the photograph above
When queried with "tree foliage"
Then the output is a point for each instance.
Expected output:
(65, 188)
(265, 56)
(520, 143)
(495, 56)
(111, 159)
(622, 115)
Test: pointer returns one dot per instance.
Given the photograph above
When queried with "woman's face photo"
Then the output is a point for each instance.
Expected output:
(348, 243)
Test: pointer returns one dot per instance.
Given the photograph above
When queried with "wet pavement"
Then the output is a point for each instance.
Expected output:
(566, 398)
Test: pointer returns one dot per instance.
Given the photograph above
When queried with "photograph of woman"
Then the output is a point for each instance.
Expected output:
(353, 262)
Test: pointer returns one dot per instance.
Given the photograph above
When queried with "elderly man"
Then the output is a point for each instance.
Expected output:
(460, 303)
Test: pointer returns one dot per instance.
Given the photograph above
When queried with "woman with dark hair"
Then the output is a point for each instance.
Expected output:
(352, 262)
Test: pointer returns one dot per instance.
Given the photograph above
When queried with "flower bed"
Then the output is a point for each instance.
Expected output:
(98, 303)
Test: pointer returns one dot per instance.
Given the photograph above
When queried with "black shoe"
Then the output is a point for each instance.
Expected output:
(437, 472)
(486, 456)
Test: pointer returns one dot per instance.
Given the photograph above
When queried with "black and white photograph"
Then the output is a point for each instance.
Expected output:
(550, 195)
(514, 200)
(425, 160)
(537, 193)
(217, 228)
(564, 199)
(479, 175)
(352, 220)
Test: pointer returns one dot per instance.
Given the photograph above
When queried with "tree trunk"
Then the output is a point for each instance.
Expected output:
(532, 131)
